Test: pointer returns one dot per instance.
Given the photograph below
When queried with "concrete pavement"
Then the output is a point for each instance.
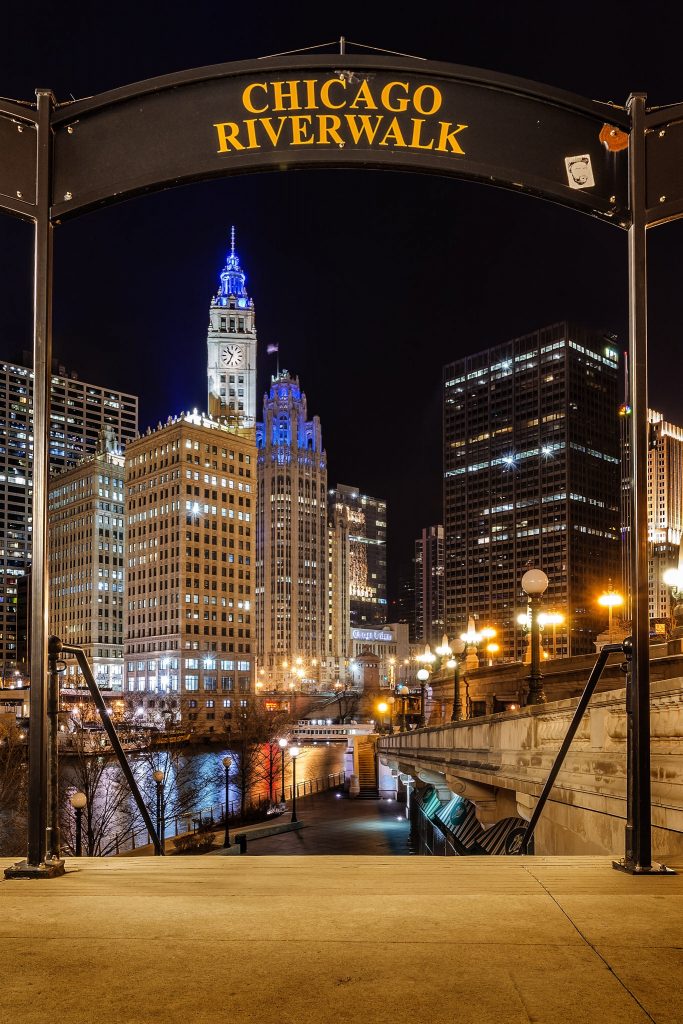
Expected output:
(301, 940)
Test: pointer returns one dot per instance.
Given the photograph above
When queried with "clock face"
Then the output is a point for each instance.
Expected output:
(232, 355)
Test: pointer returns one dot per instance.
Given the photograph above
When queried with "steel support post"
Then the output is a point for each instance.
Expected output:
(638, 840)
(35, 864)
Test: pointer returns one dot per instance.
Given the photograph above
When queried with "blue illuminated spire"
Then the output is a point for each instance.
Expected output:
(233, 279)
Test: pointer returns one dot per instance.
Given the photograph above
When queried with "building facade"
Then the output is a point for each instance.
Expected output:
(665, 508)
(231, 346)
(79, 412)
(532, 478)
(339, 595)
(430, 600)
(190, 496)
(367, 554)
(86, 546)
(390, 644)
(292, 559)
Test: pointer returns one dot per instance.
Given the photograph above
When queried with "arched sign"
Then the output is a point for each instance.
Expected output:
(345, 111)
(621, 164)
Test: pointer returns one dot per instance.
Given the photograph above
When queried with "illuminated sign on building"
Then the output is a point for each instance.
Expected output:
(372, 636)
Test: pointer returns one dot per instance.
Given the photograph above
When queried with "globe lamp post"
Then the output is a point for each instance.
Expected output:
(227, 764)
(283, 744)
(78, 802)
(294, 753)
(160, 848)
(534, 585)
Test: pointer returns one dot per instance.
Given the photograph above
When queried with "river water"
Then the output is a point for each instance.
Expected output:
(194, 781)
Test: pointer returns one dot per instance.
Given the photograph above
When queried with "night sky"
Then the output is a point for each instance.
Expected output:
(368, 281)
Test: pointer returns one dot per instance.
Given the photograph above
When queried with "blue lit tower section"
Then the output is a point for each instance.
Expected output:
(291, 542)
(231, 345)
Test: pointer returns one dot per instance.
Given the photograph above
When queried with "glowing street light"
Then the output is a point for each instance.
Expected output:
(610, 599)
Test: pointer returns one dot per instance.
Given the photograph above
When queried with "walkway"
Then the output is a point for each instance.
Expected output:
(366, 940)
(335, 824)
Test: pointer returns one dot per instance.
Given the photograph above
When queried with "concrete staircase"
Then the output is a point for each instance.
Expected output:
(367, 771)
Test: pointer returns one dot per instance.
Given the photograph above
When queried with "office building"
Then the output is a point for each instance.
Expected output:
(292, 559)
(190, 496)
(231, 346)
(532, 479)
(339, 595)
(665, 507)
(430, 609)
(79, 413)
(86, 546)
(367, 554)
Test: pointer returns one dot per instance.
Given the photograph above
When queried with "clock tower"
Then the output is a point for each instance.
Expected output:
(231, 345)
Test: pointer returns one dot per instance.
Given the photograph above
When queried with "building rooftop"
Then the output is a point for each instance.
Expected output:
(292, 939)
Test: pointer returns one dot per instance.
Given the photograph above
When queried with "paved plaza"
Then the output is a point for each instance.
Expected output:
(301, 939)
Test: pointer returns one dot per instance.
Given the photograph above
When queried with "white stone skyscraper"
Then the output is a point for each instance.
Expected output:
(291, 541)
(231, 346)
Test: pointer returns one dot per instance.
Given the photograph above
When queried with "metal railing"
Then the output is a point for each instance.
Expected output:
(190, 821)
(526, 836)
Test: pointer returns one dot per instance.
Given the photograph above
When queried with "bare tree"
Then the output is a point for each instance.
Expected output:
(109, 808)
(12, 788)
(251, 738)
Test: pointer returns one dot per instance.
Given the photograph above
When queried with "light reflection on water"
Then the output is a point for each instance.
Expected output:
(195, 779)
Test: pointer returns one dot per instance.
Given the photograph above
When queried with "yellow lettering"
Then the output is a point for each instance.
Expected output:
(251, 123)
(286, 91)
(363, 96)
(301, 124)
(365, 128)
(386, 97)
(329, 124)
(273, 135)
(447, 138)
(325, 93)
(227, 133)
(393, 132)
(417, 130)
(436, 99)
(247, 100)
(310, 84)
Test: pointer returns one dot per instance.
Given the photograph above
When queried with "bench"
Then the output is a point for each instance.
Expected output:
(263, 831)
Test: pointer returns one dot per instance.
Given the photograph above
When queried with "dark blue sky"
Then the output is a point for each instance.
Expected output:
(368, 281)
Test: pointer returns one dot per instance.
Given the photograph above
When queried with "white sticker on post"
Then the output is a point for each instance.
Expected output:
(579, 171)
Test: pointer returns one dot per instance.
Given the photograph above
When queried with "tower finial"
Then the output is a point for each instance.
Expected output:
(232, 240)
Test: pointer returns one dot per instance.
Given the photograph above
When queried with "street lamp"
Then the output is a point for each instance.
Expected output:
(423, 676)
(283, 744)
(78, 802)
(610, 599)
(294, 753)
(534, 584)
(227, 764)
(402, 691)
(553, 619)
(158, 777)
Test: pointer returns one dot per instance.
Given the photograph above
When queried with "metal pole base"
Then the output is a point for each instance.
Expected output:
(636, 869)
(48, 869)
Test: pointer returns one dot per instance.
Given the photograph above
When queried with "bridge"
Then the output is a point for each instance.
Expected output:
(499, 763)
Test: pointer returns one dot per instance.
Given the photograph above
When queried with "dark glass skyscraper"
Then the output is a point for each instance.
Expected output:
(532, 478)
(367, 554)
(429, 586)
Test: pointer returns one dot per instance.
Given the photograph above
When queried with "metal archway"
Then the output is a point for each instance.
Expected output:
(620, 164)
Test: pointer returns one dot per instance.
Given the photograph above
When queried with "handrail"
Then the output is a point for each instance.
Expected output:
(55, 648)
(623, 648)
